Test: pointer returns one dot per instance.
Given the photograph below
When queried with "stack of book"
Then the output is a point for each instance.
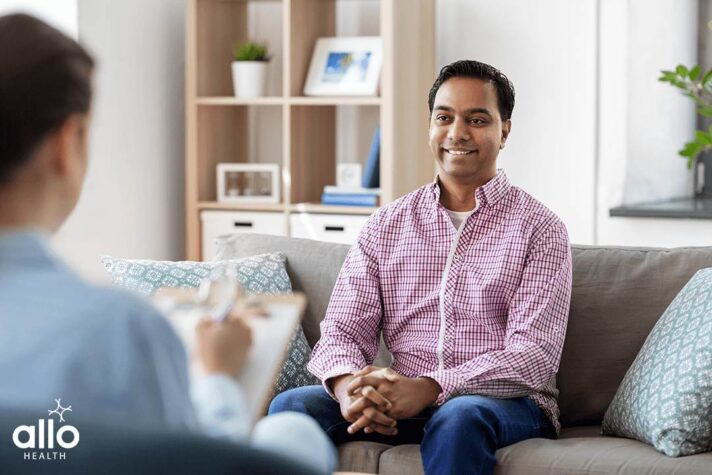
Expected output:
(350, 196)
(369, 192)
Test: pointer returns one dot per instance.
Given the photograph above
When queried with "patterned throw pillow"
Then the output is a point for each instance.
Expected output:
(265, 273)
(665, 398)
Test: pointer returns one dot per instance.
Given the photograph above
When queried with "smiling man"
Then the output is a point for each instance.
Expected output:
(469, 280)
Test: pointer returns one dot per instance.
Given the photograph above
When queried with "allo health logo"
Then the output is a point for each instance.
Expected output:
(47, 441)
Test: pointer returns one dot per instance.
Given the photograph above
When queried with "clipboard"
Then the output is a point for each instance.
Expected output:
(271, 335)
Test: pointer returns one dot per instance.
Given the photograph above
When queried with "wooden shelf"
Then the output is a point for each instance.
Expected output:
(241, 206)
(331, 209)
(335, 101)
(306, 135)
(234, 101)
(296, 100)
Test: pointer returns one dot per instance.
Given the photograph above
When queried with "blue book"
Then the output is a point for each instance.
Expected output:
(372, 173)
(344, 199)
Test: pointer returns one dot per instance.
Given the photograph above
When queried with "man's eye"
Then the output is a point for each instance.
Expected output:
(441, 118)
(477, 121)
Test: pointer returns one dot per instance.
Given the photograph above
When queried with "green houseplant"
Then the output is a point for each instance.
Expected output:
(698, 87)
(249, 69)
(250, 51)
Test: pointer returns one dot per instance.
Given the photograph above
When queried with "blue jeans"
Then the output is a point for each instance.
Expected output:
(461, 436)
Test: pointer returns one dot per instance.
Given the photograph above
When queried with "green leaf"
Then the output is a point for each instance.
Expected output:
(694, 73)
(682, 70)
(690, 149)
(706, 77)
(250, 52)
(702, 138)
(690, 163)
(705, 111)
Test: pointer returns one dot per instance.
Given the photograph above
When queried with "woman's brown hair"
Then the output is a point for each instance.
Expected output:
(45, 77)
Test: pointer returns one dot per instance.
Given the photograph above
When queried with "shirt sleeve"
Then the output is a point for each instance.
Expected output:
(221, 407)
(350, 329)
(214, 404)
(536, 327)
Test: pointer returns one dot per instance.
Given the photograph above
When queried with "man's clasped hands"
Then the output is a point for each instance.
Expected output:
(375, 398)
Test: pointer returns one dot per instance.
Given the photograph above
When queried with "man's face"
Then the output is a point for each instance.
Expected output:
(466, 129)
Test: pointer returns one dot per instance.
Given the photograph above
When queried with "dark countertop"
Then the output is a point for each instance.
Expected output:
(681, 208)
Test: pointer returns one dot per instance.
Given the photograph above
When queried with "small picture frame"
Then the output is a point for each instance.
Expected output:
(345, 66)
(248, 183)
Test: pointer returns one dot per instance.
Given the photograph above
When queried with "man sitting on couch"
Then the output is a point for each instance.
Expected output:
(107, 354)
(469, 280)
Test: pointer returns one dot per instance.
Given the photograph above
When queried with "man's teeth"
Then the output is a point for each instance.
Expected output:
(458, 152)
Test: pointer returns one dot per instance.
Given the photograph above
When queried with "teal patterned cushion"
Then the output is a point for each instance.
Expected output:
(262, 274)
(265, 273)
(665, 398)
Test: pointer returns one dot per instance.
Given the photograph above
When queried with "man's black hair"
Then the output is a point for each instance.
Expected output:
(45, 77)
(475, 69)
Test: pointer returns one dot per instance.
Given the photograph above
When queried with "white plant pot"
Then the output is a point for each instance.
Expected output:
(249, 78)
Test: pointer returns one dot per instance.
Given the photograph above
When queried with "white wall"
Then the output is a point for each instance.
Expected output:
(62, 14)
(643, 122)
(133, 202)
(547, 48)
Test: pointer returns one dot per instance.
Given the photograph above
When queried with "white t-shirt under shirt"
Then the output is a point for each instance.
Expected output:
(459, 217)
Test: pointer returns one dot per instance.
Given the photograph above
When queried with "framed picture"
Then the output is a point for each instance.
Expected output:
(248, 183)
(345, 66)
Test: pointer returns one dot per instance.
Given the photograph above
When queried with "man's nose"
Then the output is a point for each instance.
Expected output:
(458, 131)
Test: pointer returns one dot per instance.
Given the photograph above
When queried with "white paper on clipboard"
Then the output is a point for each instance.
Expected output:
(270, 339)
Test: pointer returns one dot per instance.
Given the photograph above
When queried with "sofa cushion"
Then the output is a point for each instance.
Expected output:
(579, 450)
(586, 452)
(361, 457)
(618, 296)
(264, 273)
(665, 398)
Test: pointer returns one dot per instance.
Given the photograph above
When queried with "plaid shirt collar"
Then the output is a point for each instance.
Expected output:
(486, 195)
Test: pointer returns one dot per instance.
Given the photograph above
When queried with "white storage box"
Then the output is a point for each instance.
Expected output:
(217, 223)
(338, 228)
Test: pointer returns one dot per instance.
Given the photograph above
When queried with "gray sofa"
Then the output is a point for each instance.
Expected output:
(618, 295)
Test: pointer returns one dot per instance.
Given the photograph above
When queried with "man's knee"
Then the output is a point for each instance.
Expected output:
(464, 414)
(297, 399)
(297, 425)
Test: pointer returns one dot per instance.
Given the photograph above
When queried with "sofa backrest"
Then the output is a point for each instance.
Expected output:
(312, 267)
(618, 295)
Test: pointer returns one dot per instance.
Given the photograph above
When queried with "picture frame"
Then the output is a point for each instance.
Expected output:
(248, 183)
(345, 66)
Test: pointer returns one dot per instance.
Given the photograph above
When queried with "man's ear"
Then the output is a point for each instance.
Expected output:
(506, 128)
(65, 143)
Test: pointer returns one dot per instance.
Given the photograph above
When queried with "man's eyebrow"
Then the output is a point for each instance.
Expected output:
(474, 110)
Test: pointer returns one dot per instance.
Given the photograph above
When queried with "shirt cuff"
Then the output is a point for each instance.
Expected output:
(221, 407)
(450, 382)
(334, 372)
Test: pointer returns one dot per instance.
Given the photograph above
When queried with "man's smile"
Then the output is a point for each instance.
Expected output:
(458, 151)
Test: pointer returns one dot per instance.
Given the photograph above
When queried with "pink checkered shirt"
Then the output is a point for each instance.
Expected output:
(481, 310)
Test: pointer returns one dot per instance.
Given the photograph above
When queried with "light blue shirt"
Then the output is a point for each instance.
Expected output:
(106, 353)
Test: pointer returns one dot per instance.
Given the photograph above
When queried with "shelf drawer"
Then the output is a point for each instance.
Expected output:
(338, 228)
(216, 223)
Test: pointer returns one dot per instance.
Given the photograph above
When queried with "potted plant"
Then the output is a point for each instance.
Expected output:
(698, 87)
(249, 69)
